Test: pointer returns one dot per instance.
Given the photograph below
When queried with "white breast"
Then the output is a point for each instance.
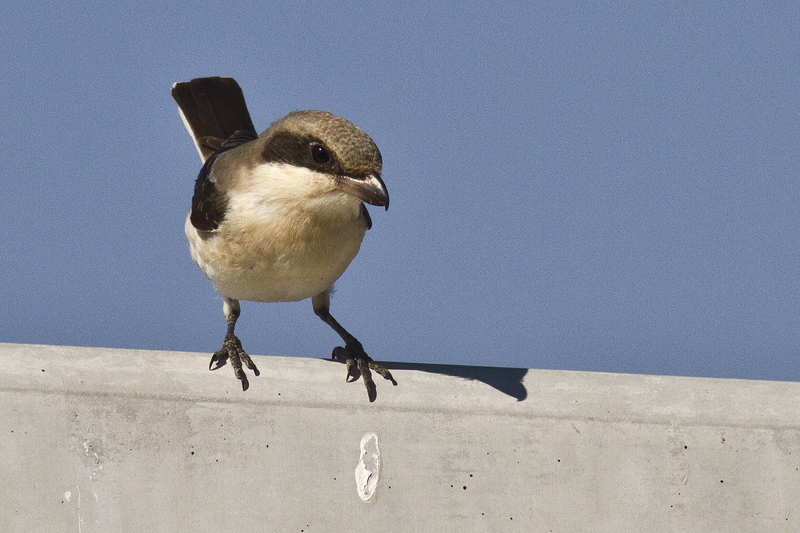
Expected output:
(288, 234)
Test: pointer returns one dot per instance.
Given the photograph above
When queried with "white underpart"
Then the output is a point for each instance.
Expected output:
(288, 234)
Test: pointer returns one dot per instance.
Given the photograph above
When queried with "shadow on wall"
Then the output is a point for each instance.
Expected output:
(506, 380)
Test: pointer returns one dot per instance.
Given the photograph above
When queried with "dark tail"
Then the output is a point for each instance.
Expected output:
(213, 110)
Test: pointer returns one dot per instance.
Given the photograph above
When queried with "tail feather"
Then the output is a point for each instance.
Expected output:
(213, 110)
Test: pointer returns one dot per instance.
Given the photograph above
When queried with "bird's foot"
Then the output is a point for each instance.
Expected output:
(360, 364)
(232, 348)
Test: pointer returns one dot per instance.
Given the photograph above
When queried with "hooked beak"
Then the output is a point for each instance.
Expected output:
(370, 189)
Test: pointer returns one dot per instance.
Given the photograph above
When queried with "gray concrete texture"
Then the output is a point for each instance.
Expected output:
(96, 439)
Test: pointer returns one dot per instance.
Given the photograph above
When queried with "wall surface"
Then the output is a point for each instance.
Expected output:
(95, 439)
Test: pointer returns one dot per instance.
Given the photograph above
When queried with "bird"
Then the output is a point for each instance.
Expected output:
(278, 217)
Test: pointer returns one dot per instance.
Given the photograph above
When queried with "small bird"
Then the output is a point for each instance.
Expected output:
(278, 217)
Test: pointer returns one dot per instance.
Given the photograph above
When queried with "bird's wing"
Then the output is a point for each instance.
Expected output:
(209, 201)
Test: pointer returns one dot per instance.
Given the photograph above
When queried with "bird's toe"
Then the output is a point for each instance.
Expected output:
(232, 349)
(359, 364)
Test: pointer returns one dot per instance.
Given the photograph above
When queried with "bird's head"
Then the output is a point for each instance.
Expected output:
(331, 145)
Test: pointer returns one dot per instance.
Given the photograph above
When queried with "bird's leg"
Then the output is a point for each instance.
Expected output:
(353, 354)
(232, 346)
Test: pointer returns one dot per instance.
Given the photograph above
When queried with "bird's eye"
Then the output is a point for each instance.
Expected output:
(320, 154)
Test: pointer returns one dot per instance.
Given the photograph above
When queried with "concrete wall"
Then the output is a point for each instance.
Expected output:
(96, 439)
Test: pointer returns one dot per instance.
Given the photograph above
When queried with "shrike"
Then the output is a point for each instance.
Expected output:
(278, 217)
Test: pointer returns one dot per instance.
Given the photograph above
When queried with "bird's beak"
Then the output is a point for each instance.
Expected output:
(370, 189)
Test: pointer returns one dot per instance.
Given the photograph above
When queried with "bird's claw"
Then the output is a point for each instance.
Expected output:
(232, 348)
(360, 364)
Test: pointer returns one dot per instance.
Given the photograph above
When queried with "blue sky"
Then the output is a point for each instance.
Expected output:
(604, 187)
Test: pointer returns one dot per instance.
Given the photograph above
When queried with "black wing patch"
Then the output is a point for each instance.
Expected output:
(208, 202)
